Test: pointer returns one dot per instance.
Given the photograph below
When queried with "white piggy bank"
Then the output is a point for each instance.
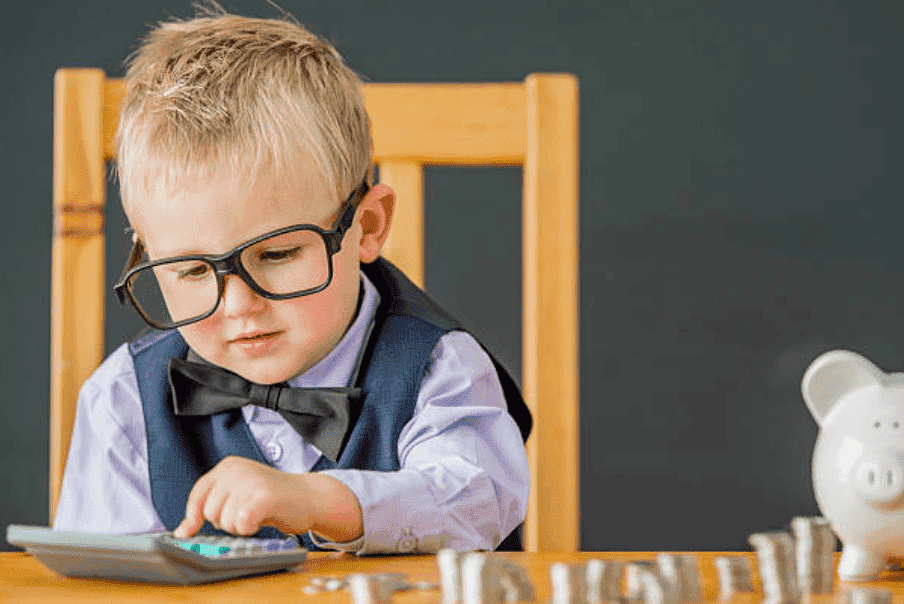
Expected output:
(858, 461)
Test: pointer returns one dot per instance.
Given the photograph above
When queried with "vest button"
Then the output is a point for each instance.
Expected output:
(273, 451)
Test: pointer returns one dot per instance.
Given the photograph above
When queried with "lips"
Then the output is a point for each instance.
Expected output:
(255, 343)
(253, 336)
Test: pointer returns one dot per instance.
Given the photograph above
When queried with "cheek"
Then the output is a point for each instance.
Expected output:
(326, 315)
(320, 314)
(201, 337)
(347, 278)
(311, 314)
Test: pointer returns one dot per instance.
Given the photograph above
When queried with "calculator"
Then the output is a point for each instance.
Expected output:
(155, 557)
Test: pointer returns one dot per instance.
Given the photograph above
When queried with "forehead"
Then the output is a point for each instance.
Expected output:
(213, 209)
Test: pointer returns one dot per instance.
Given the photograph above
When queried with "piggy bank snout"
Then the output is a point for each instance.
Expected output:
(879, 477)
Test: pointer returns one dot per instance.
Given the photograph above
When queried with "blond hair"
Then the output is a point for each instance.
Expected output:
(224, 91)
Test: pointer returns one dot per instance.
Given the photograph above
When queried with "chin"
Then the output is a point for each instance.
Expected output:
(267, 375)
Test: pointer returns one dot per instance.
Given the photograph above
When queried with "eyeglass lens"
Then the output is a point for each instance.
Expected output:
(181, 290)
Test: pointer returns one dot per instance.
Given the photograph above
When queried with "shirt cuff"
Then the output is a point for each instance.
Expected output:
(348, 546)
(401, 515)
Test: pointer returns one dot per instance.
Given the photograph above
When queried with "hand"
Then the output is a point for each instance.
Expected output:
(240, 495)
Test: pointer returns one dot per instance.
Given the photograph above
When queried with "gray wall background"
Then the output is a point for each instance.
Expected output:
(740, 203)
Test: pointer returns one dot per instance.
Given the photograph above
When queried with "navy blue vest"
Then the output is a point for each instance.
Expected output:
(408, 325)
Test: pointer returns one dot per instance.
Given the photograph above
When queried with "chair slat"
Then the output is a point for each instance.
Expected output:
(447, 123)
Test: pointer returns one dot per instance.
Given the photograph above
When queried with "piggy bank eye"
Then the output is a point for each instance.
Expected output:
(877, 424)
(895, 425)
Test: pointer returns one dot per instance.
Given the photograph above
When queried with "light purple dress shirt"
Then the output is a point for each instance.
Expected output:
(463, 482)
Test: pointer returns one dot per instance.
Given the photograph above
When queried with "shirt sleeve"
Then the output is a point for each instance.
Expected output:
(106, 487)
(464, 478)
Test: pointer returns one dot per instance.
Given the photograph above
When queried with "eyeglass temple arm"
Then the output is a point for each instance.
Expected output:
(134, 258)
(348, 212)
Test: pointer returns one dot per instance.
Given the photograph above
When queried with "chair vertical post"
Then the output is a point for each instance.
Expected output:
(405, 246)
(77, 301)
(550, 315)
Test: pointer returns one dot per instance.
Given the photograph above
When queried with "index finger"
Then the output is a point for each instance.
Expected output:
(194, 508)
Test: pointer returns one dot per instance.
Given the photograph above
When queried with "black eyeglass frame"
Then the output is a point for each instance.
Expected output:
(230, 263)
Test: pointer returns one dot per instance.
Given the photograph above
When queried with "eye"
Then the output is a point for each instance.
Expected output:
(193, 271)
(279, 255)
(877, 424)
(894, 425)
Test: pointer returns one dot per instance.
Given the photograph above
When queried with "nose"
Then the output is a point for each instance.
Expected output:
(879, 478)
(238, 298)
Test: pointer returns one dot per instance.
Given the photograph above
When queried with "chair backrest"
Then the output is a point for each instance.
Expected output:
(531, 123)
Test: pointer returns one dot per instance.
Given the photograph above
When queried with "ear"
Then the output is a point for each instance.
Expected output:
(375, 213)
(834, 374)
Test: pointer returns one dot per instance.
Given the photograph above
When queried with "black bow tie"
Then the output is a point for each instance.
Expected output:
(320, 415)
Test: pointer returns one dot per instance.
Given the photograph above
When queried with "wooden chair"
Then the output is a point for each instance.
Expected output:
(533, 124)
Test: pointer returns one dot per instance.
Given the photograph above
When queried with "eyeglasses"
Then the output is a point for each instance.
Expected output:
(286, 263)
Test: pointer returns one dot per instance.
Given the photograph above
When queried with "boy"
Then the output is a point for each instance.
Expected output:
(244, 158)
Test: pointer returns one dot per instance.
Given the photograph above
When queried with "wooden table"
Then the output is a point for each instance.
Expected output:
(24, 579)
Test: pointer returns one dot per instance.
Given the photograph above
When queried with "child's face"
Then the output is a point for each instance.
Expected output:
(265, 341)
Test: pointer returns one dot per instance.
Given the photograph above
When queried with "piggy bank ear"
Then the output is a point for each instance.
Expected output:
(831, 376)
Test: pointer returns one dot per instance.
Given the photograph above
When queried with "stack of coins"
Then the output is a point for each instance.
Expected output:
(669, 568)
(449, 563)
(644, 583)
(515, 581)
(633, 585)
(868, 596)
(814, 549)
(775, 558)
(734, 575)
(369, 589)
(681, 576)
(604, 579)
(654, 589)
(480, 580)
(691, 578)
(569, 583)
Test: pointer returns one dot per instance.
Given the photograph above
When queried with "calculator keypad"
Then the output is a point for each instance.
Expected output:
(214, 545)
